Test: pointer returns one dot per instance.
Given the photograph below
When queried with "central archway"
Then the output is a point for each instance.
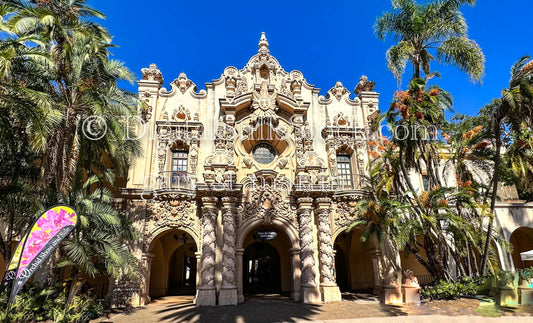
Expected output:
(262, 269)
(268, 259)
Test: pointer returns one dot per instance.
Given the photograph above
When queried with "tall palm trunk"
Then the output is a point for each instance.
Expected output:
(495, 179)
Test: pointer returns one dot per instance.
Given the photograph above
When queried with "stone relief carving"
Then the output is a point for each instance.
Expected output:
(170, 211)
(219, 166)
(183, 83)
(234, 82)
(267, 199)
(338, 91)
(181, 114)
(345, 212)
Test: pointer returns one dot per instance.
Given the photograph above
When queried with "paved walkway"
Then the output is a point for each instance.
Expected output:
(359, 309)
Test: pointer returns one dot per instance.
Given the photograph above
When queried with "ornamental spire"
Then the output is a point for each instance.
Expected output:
(263, 44)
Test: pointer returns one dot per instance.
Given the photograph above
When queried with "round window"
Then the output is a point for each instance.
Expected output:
(264, 153)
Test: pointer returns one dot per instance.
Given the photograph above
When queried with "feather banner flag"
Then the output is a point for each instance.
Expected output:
(41, 241)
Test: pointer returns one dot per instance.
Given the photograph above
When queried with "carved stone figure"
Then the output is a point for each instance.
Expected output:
(364, 85)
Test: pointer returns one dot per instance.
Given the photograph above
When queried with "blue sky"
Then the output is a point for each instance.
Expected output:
(328, 41)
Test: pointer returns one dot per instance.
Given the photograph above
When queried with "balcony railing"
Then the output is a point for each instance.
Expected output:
(176, 180)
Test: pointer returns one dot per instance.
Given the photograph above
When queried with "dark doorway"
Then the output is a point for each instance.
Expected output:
(340, 270)
(261, 269)
(182, 271)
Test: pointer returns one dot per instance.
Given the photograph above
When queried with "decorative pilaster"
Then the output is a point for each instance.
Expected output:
(206, 294)
(239, 253)
(376, 256)
(147, 259)
(296, 274)
(328, 286)
(228, 292)
(310, 292)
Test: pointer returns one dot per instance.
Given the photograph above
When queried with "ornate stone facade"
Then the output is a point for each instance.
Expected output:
(250, 161)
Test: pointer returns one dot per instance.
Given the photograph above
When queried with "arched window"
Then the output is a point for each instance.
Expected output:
(344, 168)
(264, 153)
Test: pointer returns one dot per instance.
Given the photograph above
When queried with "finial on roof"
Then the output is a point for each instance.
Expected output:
(263, 43)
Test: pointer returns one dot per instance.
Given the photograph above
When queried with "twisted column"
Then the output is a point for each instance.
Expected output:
(307, 252)
(206, 295)
(325, 245)
(328, 287)
(228, 293)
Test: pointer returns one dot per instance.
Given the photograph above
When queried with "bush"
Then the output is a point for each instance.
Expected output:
(463, 287)
(34, 303)
(526, 273)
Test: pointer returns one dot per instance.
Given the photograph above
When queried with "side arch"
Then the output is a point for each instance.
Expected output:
(160, 231)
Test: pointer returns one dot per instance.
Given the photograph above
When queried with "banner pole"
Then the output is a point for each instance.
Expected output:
(9, 300)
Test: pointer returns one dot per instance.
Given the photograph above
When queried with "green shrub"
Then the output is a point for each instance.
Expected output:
(37, 304)
(526, 273)
(463, 287)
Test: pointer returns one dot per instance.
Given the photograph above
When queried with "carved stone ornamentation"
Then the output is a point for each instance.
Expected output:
(183, 133)
(364, 85)
(171, 210)
(152, 74)
(325, 245)
(183, 83)
(228, 250)
(338, 91)
(267, 199)
(181, 114)
(345, 213)
(209, 214)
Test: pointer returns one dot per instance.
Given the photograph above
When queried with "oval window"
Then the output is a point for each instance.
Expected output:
(264, 153)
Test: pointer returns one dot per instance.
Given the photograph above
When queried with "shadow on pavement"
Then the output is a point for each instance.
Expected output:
(253, 310)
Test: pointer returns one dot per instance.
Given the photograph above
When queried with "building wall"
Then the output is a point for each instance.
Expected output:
(228, 193)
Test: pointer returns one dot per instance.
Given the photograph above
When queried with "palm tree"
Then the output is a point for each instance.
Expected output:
(423, 32)
(519, 159)
(80, 79)
(515, 110)
(99, 242)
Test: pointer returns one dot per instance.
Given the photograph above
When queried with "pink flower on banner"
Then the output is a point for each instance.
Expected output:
(38, 238)
(54, 221)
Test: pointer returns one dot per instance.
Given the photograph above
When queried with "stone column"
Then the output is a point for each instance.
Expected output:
(228, 292)
(206, 294)
(376, 256)
(147, 259)
(310, 292)
(296, 274)
(328, 286)
(240, 295)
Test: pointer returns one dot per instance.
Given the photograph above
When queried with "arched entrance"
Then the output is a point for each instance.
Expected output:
(262, 269)
(522, 240)
(174, 265)
(353, 263)
(268, 260)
